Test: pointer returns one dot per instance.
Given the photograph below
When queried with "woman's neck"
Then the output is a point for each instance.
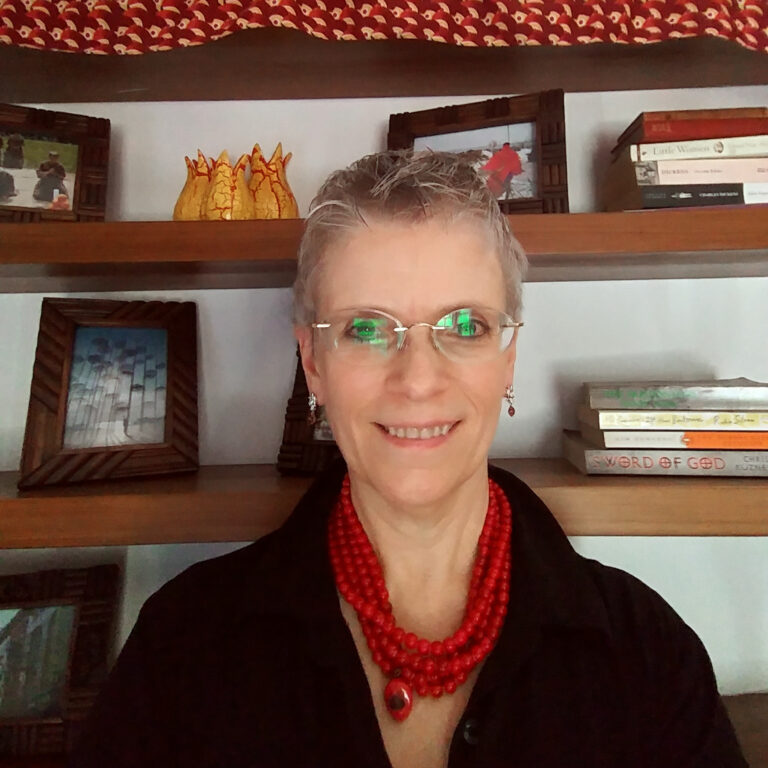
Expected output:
(426, 552)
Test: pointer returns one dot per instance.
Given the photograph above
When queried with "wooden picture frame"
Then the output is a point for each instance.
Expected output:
(82, 142)
(307, 449)
(56, 642)
(522, 139)
(114, 392)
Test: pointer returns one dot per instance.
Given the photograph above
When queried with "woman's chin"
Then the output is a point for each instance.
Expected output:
(412, 487)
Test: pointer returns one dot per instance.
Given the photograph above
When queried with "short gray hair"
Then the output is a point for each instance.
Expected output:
(407, 186)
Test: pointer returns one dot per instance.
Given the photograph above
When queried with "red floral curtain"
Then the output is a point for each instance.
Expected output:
(138, 26)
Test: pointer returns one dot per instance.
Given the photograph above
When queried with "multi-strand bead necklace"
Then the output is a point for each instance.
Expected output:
(414, 664)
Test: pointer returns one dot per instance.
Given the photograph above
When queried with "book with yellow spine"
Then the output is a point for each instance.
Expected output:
(681, 420)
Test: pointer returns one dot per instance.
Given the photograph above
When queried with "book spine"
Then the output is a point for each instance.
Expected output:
(670, 398)
(692, 440)
(635, 128)
(705, 128)
(670, 462)
(744, 146)
(646, 461)
(722, 170)
(685, 420)
(687, 195)
(755, 194)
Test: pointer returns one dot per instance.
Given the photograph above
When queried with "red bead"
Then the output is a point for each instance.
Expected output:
(398, 699)
(423, 647)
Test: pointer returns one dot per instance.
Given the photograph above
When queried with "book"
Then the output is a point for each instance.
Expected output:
(600, 418)
(721, 170)
(742, 146)
(628, 185)
(650, 461)
(634, 196)
(691, 124)
(715, 394)
(681, 440)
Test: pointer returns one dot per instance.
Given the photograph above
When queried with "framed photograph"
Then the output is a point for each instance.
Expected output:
(114, 392)
(53, 165)
(307, 448)
(517, 143)
(56, 641)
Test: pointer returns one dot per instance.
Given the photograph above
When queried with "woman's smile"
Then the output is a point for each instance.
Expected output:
(429, 435)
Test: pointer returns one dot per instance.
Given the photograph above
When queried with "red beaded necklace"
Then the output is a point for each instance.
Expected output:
(415, 664)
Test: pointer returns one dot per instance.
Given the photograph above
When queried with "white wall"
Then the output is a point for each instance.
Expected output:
(574, 331)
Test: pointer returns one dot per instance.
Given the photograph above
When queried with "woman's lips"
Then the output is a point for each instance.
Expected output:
(432, 434)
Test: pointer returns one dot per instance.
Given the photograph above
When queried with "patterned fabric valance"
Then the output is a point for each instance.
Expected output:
(138, 26)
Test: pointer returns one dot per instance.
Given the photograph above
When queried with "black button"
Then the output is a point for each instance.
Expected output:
(471, 732)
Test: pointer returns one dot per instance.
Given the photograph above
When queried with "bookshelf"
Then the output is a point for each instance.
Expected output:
(239, 503)
(242, 503)
(61, 257)
(287, 64)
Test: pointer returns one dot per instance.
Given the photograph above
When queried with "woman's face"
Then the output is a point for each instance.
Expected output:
(416, 272)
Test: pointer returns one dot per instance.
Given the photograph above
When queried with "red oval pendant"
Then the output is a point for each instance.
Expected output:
(398, 699)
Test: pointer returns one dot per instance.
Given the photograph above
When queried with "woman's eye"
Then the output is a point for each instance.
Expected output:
(468, 326)
(365, 331)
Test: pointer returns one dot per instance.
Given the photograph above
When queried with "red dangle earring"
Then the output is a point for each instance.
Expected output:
(510, 396)
(416, 666)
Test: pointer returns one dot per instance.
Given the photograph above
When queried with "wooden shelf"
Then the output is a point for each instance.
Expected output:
(286, 64)
(241, 503)
(61, 257)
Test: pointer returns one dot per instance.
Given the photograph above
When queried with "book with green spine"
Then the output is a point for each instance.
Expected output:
(717, 394)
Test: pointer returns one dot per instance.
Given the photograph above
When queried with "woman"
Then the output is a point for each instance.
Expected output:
(418, 609)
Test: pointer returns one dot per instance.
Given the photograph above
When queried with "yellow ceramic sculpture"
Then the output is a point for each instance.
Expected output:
(228, 197)
(190, 203)
(272, 194)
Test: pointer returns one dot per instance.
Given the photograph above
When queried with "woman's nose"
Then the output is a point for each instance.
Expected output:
(418, 367)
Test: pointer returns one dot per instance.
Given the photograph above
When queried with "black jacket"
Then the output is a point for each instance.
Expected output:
(245, 661)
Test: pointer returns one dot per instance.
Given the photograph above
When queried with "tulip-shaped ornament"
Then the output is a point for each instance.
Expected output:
(272, 194)
(228, 196)
(190, 203)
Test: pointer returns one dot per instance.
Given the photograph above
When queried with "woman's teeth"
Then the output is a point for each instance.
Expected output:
(414, 433)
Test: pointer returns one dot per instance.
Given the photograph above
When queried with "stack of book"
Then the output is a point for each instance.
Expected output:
(672, 428)
(693, 157)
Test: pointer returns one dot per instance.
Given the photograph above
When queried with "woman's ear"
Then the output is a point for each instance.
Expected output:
(305, 338)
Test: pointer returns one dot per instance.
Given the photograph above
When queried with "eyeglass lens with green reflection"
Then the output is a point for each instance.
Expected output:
(370, 336)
